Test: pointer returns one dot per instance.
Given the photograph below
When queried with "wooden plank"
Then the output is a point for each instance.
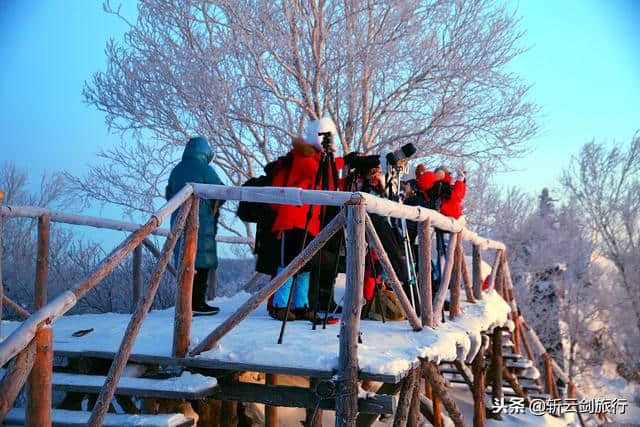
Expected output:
(409, 312)
(38, 410)
(65, 418)
(347, 404)
(183, 312)
(295, 397)
(128, 386)
(424, 269)
(15, 377)
(133, 328)
(367, 420)
(259, 297)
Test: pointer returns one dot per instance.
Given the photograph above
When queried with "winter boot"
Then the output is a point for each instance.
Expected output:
(280, 313)
(198, 303)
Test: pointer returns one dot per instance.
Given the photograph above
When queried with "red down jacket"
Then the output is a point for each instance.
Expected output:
(451, 207)
(300, 172)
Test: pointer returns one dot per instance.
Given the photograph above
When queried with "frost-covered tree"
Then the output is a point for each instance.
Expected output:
(605, 184)
(247, 75)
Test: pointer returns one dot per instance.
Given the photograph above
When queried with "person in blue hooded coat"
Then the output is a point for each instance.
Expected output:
(194, 167)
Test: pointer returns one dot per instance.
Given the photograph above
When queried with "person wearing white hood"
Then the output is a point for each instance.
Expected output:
(299, 169)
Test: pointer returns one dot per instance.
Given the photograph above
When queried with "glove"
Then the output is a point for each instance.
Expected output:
(461, 176)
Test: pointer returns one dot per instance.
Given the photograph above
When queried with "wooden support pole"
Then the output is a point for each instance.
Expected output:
(441, 295)
(476, 267)
(142, 309)
(347, 404)
(496, 363)
(424, 267)
(477, 368)
(137, 276)
(438, 418)
(15, 377)
(271, 412)
(15, 307)
(548, 375)
(414, 410)
(466, 373)
(466, 278)
(439, 388)
(406, 397)
(259, 297)
(454, 298)
(313, 416)
(38, 409)
(513, 382)
(409, 312)
(499, 277)
(42, 261)
(183, 311)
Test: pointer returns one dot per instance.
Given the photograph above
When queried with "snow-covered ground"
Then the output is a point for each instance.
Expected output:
(389, 348)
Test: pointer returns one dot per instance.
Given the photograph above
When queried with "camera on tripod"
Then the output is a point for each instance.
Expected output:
(327, 139)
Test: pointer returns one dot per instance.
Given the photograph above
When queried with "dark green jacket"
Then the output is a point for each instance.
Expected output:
(194, 167)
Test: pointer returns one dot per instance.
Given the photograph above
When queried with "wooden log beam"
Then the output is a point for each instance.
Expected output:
(15, 307)
(183, 311)
(466, 373)
(446, 279)
(259, 297)
(156, 253)
(142, 309)
(513, 382)
(424, 269)
(38, 409)
(21, 336)
(477, 368)
(414, 409)
(454, 298)
(347, 404)
(15, 377)
(466, 278)
(406, 397)
(409, 312)
(439, 388)
(137, 276)
(476, 266)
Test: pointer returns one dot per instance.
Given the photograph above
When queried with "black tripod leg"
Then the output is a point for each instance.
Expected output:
(333, 284)
(286, 316)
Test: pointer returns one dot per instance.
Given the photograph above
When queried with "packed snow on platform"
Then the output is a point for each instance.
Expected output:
(390, 348)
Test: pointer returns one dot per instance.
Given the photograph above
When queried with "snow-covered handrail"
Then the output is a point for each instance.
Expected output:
(375, 205)
(98, 222)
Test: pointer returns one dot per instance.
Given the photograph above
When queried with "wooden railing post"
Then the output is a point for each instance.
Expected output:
(142, 309)
(38, 409)
(42, 261)
(441, 295)
(271, 412)
(424, 267)
(477, 368)
(476, 267)
(454, 295)
(496, 364)
(183, 310)
(347, 404)
(137, 276)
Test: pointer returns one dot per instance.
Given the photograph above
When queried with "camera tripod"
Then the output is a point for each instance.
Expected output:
(326, 165)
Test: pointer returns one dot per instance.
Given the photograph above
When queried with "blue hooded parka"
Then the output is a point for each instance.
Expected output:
(194, 167)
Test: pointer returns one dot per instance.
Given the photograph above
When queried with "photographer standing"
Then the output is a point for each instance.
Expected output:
(438, 191)
(194, 167)
(291, 227)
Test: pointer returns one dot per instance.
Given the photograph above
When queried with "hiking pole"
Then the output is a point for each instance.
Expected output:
(304, 243)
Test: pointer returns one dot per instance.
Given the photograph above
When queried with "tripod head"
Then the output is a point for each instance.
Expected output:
(327, 141)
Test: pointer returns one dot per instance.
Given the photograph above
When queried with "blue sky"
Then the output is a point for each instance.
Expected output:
(584, 64)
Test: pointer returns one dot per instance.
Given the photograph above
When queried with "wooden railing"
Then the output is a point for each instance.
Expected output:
(29, 347)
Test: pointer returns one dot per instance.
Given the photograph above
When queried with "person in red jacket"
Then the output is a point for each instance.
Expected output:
(299, 169)
(440, 193)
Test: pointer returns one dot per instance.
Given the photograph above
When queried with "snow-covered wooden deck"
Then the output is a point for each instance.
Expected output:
(388, 350)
